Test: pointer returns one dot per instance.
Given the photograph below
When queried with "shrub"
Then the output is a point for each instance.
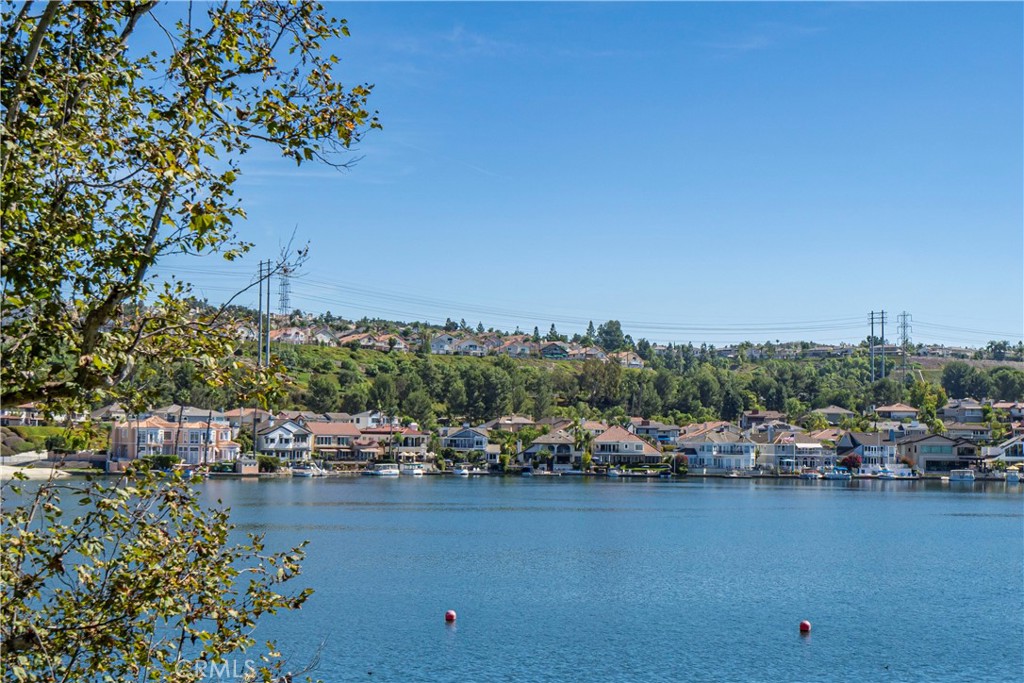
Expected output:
(268, 463)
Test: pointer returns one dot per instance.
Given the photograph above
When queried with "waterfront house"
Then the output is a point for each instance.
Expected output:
(285, 439)
(937, 453)
(332, 440)
(465, 439)
(719, 449)
(204, 443)
(897, 411)
(1011, 451)
(561, 448)
(140, 437)
(403, 444)
(790, 451)
(877, 450)
(619, 447)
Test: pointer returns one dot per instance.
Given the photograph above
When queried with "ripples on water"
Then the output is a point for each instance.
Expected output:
(595, 580)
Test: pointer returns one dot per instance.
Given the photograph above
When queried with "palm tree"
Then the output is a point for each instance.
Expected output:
(581, 438)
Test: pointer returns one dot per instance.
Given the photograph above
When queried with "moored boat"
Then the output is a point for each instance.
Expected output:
(413, 469)
(810, 474)
(307, 469)
(383, 469)
(966, 475)
(1013, 476)
(838, 474)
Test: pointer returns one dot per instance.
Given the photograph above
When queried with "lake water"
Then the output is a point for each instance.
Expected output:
(578, 579)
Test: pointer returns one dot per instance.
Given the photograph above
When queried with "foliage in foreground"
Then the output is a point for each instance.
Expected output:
(134, 580)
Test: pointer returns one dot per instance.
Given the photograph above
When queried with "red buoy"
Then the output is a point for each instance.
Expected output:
(449, 616)
(805, 626)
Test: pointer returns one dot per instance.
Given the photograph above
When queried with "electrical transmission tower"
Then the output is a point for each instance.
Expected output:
(905, 329)
(284, 292)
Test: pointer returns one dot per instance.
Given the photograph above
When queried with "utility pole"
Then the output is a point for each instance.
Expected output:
(883, 346)
(259, 324)
(871, 344)
(267, 331)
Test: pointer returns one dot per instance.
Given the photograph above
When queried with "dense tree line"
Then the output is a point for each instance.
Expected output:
(682, 386)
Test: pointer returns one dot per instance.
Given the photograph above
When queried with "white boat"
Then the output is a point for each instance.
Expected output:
(614, 473)
(527, 472)
(383, 469)
(886, 473)
(838, 474)
(413, 469)
(810, 474)
(307, 469)
(961, 475)
(461, 469)
(1013, 476)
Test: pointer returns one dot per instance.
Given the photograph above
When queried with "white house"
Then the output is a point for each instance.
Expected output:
(720, 449)
(617, 446)
(286, 440)
(465, 440)
(876, 450)
(443, 345)
(470, 347)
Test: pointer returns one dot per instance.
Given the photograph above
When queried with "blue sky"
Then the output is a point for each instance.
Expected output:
(701, 172)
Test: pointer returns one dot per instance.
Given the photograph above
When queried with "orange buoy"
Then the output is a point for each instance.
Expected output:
(449, 616)
(805, 626)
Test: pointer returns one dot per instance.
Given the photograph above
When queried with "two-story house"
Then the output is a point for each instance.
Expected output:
(332, 440)
(937, 453)
(897, 411)
(616, 446)
(877, 450)
(719, 449)
(560, 450)
(443, 345)
(287, 440)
